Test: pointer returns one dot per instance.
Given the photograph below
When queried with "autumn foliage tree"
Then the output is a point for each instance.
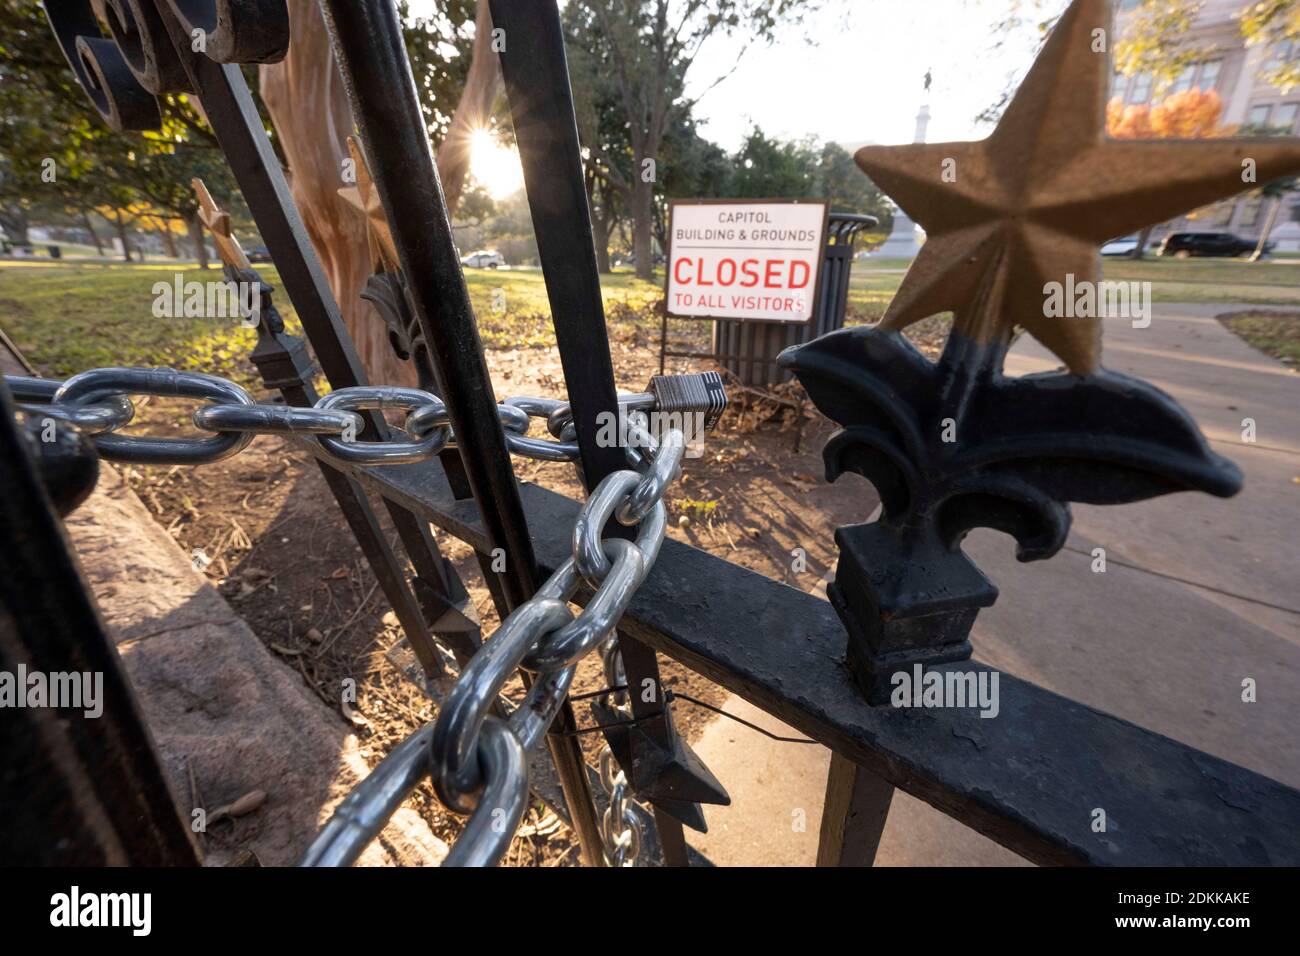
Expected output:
(1191, 114)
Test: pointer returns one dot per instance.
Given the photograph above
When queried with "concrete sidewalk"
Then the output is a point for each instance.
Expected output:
(1198, 595)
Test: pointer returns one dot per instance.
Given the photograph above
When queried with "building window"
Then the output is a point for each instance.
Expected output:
(1281, 55)
(1210, 74)
(1141, 92)
(1118, 82)
(1284, 116)
(1184, 81)
(1250, 212)
(1221, 213)
(1258, 116)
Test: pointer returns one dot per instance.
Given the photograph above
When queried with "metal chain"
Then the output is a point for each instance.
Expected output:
(542, 635)
(478, 759)
(98, 401)
(622, 845)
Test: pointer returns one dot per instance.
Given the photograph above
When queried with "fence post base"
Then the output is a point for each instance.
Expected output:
(903, 610)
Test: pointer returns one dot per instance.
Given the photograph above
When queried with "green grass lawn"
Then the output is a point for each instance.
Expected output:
(1273, 333)
(1212, 280)
(1189, 280)
(67, 316)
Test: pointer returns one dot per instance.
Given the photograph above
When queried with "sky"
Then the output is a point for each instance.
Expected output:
(853, 73)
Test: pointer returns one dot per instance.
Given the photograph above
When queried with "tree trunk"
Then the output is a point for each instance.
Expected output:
(1139, 251)
(600, 235)
(168, 239)
(600, 222)
(120, 222)
(14, 220)
(94, 236)
(643, 227)
(305, 96)
(195, 225)
(1269, 222)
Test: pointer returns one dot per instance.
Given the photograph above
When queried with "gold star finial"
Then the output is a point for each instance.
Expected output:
(365, 197)
(1037, 199)
(218, 223)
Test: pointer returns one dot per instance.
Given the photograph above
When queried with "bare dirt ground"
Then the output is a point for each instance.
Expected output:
(282, 554)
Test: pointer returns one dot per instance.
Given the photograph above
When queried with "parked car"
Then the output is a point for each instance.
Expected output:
(1184, 245)
(1120, 247)
(258, 254)
(483, 259)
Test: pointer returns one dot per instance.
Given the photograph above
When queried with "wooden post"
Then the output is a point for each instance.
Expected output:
(853, 818)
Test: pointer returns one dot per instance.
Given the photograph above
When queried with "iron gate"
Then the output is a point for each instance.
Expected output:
(904, 593)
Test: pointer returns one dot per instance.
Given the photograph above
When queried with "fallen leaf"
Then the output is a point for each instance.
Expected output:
(354, 716)
(248, 803)
(241, 807)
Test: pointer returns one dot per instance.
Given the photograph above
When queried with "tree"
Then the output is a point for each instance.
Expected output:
(1275, 22)
(645, 48)
(841, 181)
(1155, 41)
(49, 137)
(1273, 193)
(768, 168)
(1191, 114)
(692, 167)
(1151, 42)
(56, 155)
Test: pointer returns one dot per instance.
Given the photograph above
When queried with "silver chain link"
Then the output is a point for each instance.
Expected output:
(620, 827)
(98, 401)
(545, 637)
(477, 759)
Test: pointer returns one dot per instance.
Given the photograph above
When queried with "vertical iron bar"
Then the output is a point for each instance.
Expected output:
(233, 116)
(536, 76)
(368, 43)
(75, 790)
(284, 365)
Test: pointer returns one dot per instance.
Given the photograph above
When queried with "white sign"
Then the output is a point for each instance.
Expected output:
(757, 259)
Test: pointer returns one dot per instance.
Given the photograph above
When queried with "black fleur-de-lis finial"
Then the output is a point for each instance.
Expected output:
(955, 444)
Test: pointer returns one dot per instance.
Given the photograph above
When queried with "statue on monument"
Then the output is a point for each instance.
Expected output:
(905, 237)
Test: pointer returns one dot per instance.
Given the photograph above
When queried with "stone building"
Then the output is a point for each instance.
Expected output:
(1235, 72)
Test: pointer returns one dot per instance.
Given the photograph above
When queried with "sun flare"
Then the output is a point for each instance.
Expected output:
(494, 166)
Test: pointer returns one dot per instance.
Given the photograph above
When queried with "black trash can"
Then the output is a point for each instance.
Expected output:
(749, 349)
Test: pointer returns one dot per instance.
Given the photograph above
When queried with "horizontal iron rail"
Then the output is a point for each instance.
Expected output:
(1028, 779)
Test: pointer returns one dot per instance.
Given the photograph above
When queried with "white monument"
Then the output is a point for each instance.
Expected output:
(905, 238)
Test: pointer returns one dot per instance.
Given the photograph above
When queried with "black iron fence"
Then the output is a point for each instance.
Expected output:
(903, 596)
